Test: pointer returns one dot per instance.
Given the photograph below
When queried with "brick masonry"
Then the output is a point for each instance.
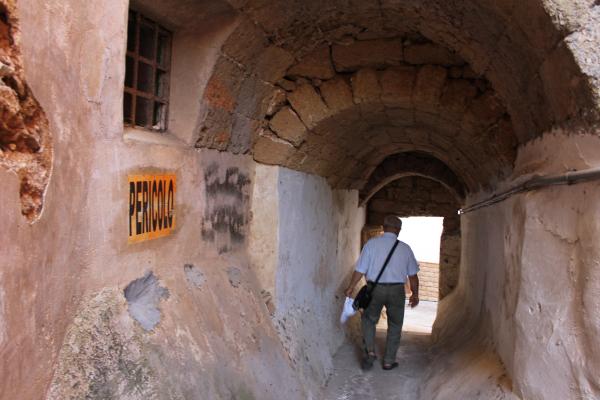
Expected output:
(429, 278)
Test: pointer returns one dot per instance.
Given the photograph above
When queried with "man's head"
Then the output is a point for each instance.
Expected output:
(392, 223)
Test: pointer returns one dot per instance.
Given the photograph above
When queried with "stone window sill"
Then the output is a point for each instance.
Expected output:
(141, 135)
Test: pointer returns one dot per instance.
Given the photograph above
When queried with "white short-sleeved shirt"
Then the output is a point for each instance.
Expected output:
(373, 255)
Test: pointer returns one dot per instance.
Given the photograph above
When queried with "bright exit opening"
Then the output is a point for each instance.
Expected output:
(423, 235)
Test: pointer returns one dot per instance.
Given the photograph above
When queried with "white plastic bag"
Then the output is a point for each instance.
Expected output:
(348, 310)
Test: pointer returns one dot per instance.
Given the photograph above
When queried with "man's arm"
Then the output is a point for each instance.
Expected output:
(356, 276)
(414, 286)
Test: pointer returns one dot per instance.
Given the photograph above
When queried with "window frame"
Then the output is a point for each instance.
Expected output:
(157, 114)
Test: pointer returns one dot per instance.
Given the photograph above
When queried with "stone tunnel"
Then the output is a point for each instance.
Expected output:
(185, 184)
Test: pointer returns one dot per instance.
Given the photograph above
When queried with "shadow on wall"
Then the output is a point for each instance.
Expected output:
(225, 221)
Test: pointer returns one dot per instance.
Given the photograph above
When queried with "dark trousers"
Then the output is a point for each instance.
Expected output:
(392, 297)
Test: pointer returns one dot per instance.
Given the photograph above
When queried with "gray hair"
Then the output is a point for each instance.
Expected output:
(392, 221)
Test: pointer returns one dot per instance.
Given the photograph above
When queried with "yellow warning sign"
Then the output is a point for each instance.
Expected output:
(151, 206)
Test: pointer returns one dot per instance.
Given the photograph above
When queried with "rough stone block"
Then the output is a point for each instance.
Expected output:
(455, 72)
(223, 87)
(536, 24)
(272, 64)
(400, 117)
(429, 53)
(243, 129)
(468, 73)
(368, 53)
(314, 65)
(245, 42)
(457, 93)
(560, 77)
(275, 101)
(253, 97)
(397, 86)
(288, 126)
(287, 85)
(337, 94)
(309, 105)
(428, 88)
(487, 108)
(215, 131)
(269, 149)
(365, 86)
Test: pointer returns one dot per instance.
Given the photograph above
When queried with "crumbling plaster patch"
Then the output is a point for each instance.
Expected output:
(194, 275)
(143, 296)
(25, 138)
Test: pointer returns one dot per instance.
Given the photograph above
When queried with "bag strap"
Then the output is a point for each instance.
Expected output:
(387, 260)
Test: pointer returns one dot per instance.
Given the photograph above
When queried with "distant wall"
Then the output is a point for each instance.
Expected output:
(429, 279)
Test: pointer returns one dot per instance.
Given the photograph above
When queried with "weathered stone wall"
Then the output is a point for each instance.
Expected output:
(66, 328)
(529, 276)
(450, 250)
(418, 196)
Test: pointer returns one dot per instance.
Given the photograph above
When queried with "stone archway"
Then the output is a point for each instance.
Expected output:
(418, 196)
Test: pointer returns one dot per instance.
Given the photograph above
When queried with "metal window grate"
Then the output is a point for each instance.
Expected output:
(147, 67)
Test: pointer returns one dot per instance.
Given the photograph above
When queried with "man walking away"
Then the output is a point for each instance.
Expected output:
(389, 292)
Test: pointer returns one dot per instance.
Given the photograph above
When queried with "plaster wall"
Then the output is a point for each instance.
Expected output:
(531, 276)
(65, 329)
(263, 243)
(319, 242)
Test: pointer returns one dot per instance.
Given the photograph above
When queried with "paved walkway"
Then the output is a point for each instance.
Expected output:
(349, 382)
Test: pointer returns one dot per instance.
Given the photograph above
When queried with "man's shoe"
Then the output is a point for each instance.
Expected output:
(387, 367)
(367, 362)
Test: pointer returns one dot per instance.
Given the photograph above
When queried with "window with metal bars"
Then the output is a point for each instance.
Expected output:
(147, 67)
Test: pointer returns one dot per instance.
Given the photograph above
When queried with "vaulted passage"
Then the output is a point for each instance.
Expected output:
(285, 131)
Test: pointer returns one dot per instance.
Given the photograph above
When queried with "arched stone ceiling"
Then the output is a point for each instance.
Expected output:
(403, 165)
(344, 127)
(412, 196)
(464, 81)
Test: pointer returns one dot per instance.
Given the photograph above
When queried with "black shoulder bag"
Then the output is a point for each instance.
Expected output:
(363, 298)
